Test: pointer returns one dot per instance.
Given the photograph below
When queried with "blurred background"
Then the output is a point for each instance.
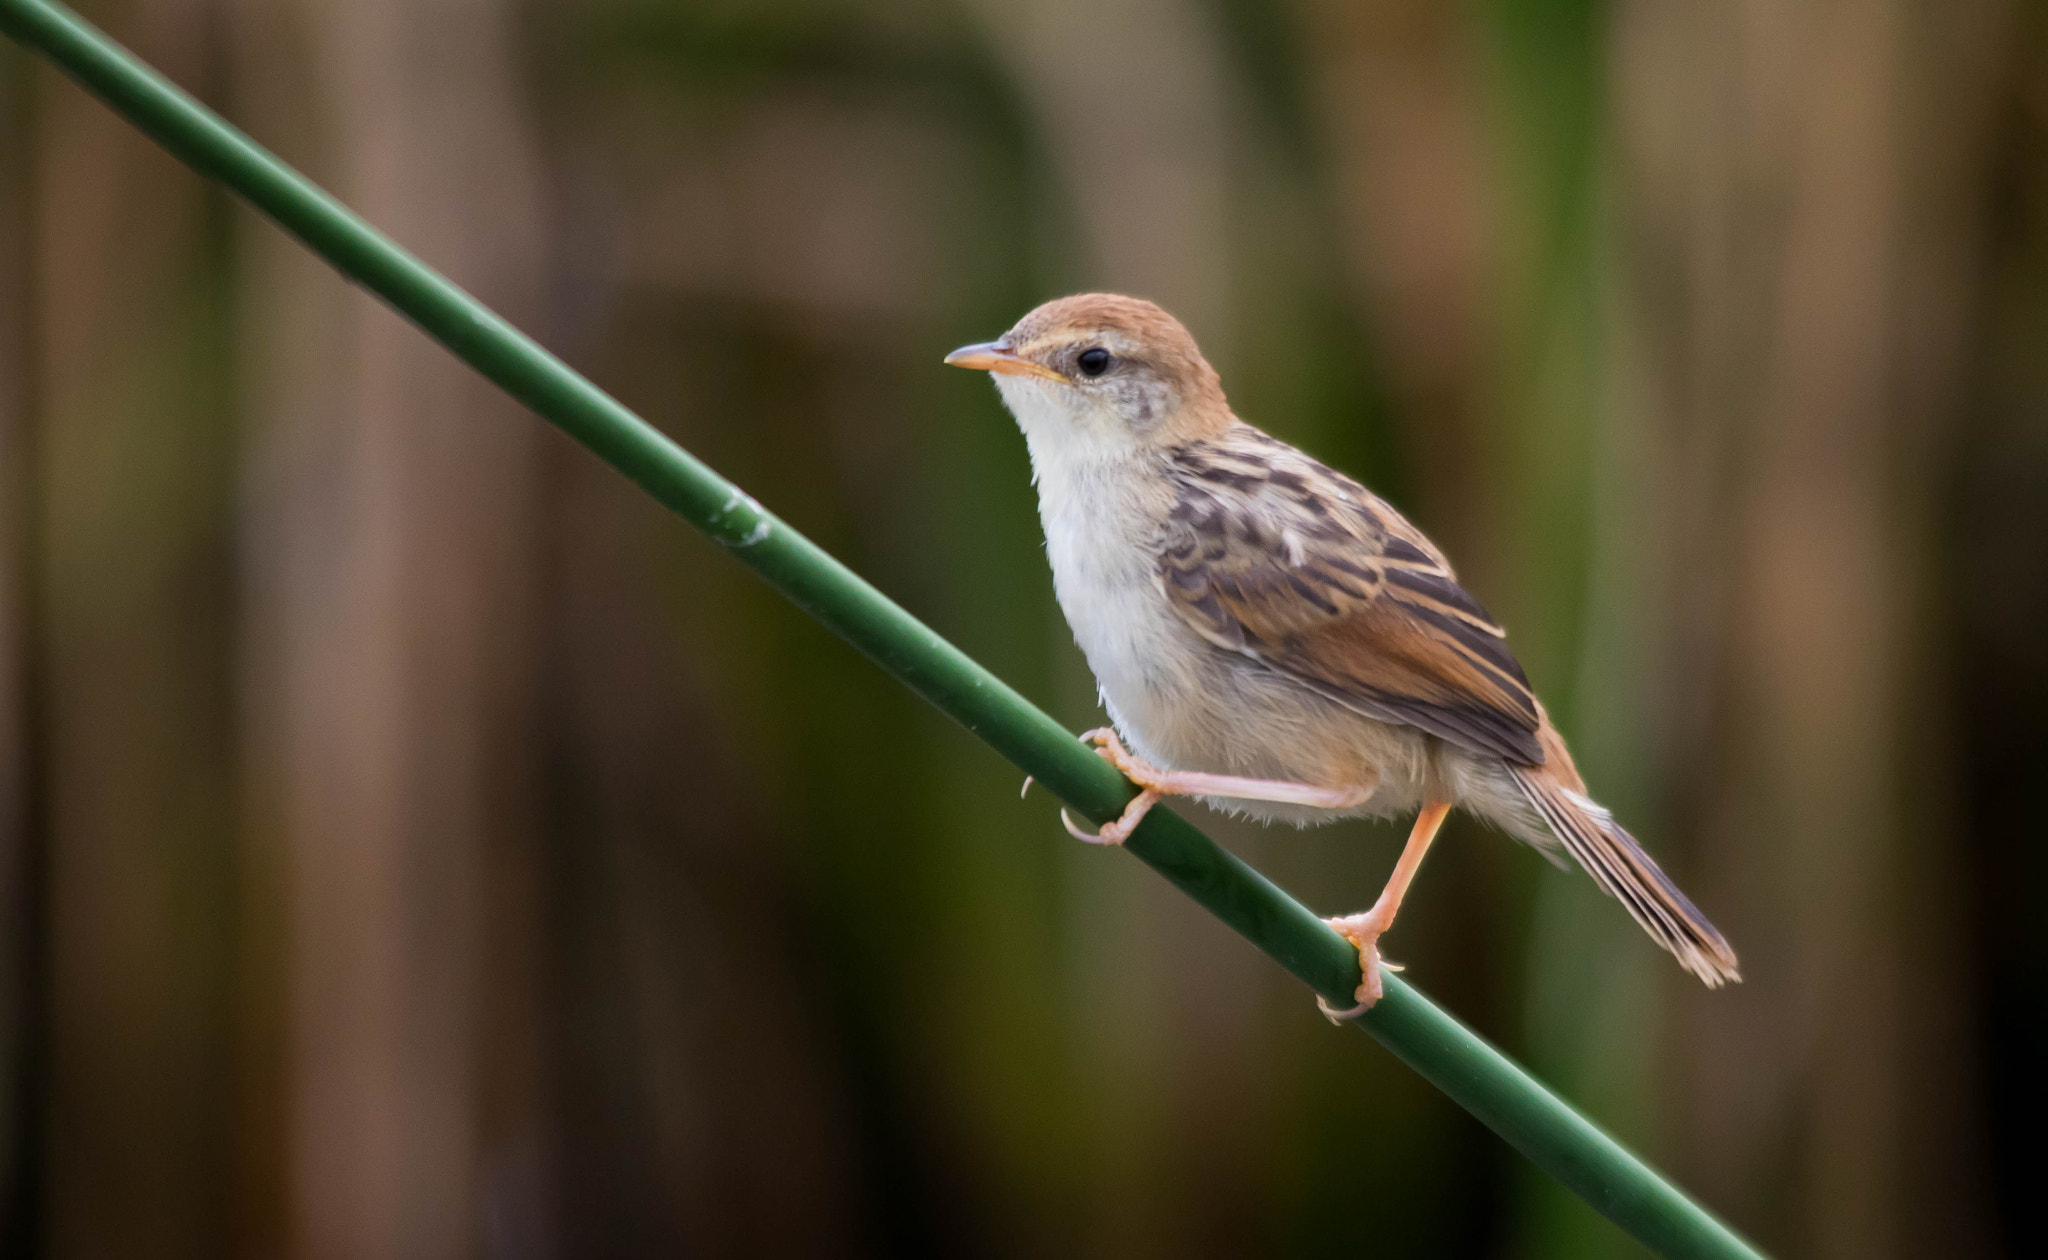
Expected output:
(413, 843)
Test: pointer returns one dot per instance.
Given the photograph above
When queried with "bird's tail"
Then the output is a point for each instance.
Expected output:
(1627, 874)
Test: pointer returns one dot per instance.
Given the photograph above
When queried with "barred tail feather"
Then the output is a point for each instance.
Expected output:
(1627, 874)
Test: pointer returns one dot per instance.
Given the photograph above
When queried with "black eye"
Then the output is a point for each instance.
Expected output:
(1094, 361)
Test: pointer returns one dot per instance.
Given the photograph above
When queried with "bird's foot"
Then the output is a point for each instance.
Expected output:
(1120, 830)
(1111, 749)
(1363, 931)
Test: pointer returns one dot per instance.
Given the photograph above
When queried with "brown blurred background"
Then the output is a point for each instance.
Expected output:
(415, 844)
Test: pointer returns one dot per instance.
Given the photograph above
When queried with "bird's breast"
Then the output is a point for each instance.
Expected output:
(1155, 675)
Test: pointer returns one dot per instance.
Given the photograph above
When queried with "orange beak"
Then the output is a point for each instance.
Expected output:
(994, 356)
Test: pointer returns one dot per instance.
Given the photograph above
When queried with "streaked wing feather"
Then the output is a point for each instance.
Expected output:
(1273, 555)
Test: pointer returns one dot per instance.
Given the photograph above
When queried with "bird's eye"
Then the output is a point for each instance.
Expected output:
(1094, 361)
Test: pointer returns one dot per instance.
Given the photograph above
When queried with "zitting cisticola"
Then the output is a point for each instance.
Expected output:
(1271, 637)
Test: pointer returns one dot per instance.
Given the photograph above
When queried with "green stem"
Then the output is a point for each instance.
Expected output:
(1477, 1076)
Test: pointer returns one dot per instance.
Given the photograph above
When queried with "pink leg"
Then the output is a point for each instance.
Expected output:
(1158, 783)
(1363, 930)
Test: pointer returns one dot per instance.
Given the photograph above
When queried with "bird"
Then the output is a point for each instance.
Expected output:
(1273, 639)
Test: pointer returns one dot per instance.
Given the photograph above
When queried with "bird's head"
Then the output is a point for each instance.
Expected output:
(1099, 374)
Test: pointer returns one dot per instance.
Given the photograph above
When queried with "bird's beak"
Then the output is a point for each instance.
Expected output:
(994, 356)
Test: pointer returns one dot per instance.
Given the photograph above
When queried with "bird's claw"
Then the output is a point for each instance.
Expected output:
(1120, 830)
(1111, 749)
(1363, 931)
(1336, 1016)
(1107, 835)
(1365, 1003)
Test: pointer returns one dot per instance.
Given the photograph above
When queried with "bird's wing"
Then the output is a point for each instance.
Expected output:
(1268, 553)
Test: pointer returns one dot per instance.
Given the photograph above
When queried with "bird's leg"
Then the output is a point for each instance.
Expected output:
(1160, 783)
(1363, 930)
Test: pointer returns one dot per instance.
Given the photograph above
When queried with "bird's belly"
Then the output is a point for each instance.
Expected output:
(1150, 669)
(1148, 678)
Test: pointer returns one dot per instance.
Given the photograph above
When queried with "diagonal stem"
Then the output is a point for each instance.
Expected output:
(1480, 1078)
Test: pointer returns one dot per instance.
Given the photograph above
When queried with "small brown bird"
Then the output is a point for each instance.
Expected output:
(1272, 637)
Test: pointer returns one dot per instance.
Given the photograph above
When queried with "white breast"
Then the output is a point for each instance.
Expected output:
(1147, 666)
